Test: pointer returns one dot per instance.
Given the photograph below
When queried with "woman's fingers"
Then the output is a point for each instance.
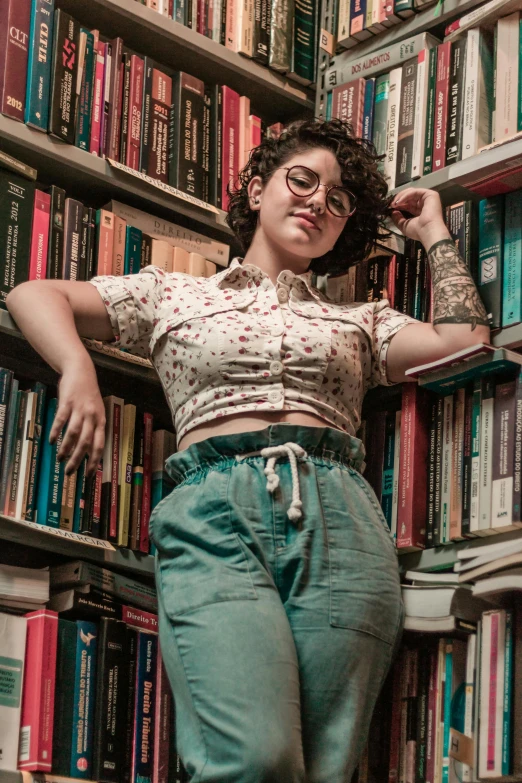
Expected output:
(82, 447)
(97, 449)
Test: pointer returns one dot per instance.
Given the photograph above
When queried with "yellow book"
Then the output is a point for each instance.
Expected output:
(211, 268)
(197, 265)
(180, 260)
(125, 485)
(161, 255)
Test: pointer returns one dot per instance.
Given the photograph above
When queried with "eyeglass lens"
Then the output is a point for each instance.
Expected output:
(304, 182)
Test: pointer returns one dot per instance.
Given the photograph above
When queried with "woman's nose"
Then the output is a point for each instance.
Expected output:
(318, 200)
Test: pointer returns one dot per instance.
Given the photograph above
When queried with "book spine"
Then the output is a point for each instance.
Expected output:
(455, 102)
(137, 486)
(466, 463)
(118, 247)
(457, 462)
(437, 498)
(396, 474)
(114, 465)
(40, 235)
(517, 455)
(431, 476)
(512, 276)
(64, 697)
(41, 392)
(6, 379)
(130, 701)
(406, 122)
(230, 142)
(84, 245)
(447, 467)
(115, 100)
(16, 214)
(216, 153)
(486, 443)
(147, 482)
(39, 64)
(475, 456)
(15, 467)
(411, 521)
(62, 114)
(72, 232)
(104, 241)
(84, 691)
(507, 696)
(430, 112)
(36, 730)
(7, 458)
(56, 239)
(135, 110)
(145, 703)
(187, 173)
(86, 93)
(387, 473)
(97, 99)
(12, 645)
(125, 106)
(111, 701)
(13, 70)
(80, 496)
(162, 725)
(146, 115)
(159, 141)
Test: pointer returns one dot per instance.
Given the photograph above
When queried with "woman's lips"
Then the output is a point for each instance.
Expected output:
(306, 223)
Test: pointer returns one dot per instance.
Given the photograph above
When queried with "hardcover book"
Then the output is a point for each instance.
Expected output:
(39, 64)
(63, 105)
(15, 20)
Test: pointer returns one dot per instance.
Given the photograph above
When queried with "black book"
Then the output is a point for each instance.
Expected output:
(6, 380)
(112, 685)
(72, 235)
(186, 170)
(55, 252)
(146, 115)
(41, 392)
(437, 512)
(466, 463)
(207, 108)
(411, 270)
(420, 263)
(261, 32)
(84, 245)
(128, 730)
(455, 101)
(430, 510)
(422, 714)
(64, 98)
(125, 104)
(76, 604)
(215, 96)
(223, 33)
(400, 281)
(16, 216)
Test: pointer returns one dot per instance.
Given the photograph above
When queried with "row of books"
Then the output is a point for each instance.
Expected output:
(358, 20)
(45, 234)
(446, 465)
(276, 33)
(110, 101)
(88, 697)
(115, 503)
(452, 716)
(418, 114)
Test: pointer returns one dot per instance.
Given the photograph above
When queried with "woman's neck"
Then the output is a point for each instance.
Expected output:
(272, 260)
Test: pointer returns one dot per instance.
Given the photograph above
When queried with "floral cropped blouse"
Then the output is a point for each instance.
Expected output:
(235, 343)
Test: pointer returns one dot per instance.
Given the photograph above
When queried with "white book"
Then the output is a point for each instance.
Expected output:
(343, 22)
(486, 459)
(13, 631)
(216, 20)
(470, 695)
(474, 510)
(478, 91)
(245, 27)
(506, 99)
(421, 102)
(396, 474)
(392, 126)
(26, 455)
(447, 455)
(176, 235)
(492, 693)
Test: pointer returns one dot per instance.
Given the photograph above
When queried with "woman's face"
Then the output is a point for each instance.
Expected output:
(299, 225)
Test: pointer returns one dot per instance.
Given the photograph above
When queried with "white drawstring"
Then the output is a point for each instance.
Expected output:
(272, 481)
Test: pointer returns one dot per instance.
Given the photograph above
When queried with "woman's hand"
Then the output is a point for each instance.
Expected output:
(81, 407)
(425, 207)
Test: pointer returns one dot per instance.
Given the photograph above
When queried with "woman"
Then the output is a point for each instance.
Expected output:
(279, 598)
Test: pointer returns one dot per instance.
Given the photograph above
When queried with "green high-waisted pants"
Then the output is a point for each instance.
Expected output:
(277, 633)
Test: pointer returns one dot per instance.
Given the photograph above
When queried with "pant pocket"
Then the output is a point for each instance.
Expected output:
(200, 559)
(365, 592)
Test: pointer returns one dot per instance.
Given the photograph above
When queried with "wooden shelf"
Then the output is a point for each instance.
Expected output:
(273, 97)
(40, 537)
(87, 176)
(511, 337)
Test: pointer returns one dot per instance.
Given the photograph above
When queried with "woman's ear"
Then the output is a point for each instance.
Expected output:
(255, 190)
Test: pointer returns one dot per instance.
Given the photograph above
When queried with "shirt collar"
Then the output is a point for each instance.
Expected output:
(285, 276)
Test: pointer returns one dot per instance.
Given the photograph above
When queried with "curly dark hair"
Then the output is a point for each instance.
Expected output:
(357, 158)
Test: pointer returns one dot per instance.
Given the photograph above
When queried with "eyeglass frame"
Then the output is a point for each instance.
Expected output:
(328, 189)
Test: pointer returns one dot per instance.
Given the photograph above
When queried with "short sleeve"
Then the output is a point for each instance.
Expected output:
(132, 302)
(386, 322)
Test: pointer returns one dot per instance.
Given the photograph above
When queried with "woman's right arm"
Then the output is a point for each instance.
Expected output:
(53, 314)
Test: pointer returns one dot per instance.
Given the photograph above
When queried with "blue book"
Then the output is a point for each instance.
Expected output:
(508, 696)
(490, 251)
(52, 472)
(387, 473)
(144, 707)
(84, 693)
(39, 64)
(83, 124)
(512, 274)
(131, 264)
(329, 98)
(369, 93)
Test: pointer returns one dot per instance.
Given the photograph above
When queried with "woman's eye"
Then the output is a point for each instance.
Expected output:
(300, 182)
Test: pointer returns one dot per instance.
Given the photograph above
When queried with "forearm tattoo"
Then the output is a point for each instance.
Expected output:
(455, 296)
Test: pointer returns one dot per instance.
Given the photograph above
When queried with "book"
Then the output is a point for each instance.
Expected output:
(63, 96)
(135, 108)
(78, 572)
(86, 92)
(56, 238)
(281, 35)
(158, 147)
(230, 146)
(40, 235)
(13, 633)
(144, 707)
(186, 171)
(16, 213)
(14, 44)
(39, 64)
(125, 480)
(72, 231)
(147, 482)
(36, 730)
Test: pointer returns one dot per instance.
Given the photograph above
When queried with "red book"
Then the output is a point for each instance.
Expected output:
(15, 17)
(432, 722)
(40, 235)
(390, 285)
(115, 471)
(411, 513)
(36, 732)
(348, 103)
(162, 727)
(139, 618)
(147, 482)
(161, 101)
(230, 167)
(97, 103)
(135, 106)
(441, 105)
(395, 722)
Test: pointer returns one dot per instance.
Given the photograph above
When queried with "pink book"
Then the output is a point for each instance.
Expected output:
(40, 235)
(230, 148)
(139, 618)
(97, 105)
(162, 727)
(36, 732)
(255, 131)
(135, 103)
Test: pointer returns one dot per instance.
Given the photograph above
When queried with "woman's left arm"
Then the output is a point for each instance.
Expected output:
(459, 315)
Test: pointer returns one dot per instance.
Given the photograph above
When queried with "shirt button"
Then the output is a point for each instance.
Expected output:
(274, 395)
(276, 368)
(282, 295)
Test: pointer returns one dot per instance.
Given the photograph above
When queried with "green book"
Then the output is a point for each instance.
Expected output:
(86, 92)
(430, 111)
(304, 50)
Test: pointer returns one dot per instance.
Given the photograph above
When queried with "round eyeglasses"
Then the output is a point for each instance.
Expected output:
(304, 182)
